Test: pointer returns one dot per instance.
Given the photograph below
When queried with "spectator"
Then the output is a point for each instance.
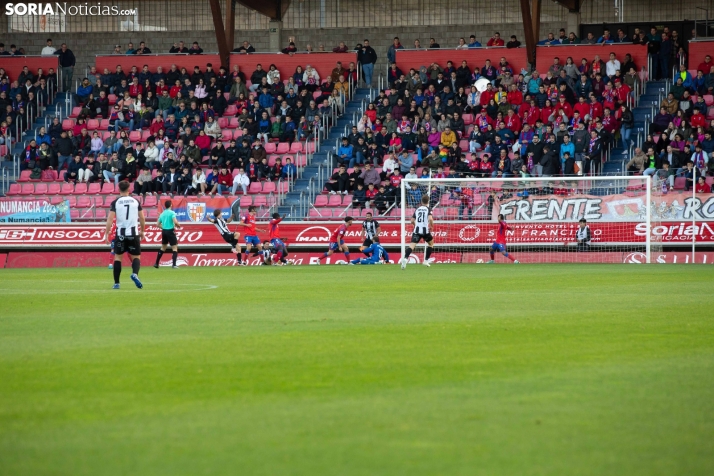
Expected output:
(392, 51)
(142, 50)
(513, 43)
(66, 62)
(702, 186)
(178, 48)
(341, 48)
(473, 43)
(195, 49)
(367, 57)
(49, 50)
(246, 47)
(495, 40)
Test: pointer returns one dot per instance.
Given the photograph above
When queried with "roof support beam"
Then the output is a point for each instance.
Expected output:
(531, 24)
(223, 50)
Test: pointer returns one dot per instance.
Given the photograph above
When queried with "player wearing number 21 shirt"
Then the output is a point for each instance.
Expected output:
(337, 241)
(423, 222)
(500, 244)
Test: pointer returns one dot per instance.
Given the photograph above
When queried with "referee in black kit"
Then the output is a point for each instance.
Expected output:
(168, 223)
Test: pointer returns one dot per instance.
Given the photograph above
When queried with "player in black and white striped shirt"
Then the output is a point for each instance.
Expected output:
(228, 236)
(370, 229)
(130, 226)
(423, 222)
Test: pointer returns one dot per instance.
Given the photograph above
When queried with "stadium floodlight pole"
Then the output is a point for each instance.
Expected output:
(648, 210)
(403, 212)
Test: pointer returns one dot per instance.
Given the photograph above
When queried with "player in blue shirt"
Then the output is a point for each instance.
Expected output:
(377, 254)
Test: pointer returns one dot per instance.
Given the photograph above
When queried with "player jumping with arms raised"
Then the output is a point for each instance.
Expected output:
(423, 222)
(337, 241)
(377, 254)
(500, 243)
(228, 236)
(281, 251)
(251, 235)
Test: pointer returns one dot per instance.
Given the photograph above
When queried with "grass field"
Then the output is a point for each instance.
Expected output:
(451, 370)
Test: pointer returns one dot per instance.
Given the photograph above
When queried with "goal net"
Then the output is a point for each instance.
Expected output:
(543, 217)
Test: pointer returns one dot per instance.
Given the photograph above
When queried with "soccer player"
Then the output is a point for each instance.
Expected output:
(370, 229)
(337, 241)
(377, 254)
(130, 223)
(267, 253)
(228, 236)
(251, 235)
(168, 223)
(281, 250)
(500, 243)
(112, 235)
(423, 222)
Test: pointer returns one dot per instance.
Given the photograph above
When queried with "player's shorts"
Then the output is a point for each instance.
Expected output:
(336, 246)
(252, 240)
(417, 237)
(127, 244)
(277, 243)
(367, 243)
(498, 247)
(229, 238)
(168, 237)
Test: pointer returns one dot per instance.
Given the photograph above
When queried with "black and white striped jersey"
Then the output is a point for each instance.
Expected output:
(421, 220)
(370, 229)
(221, 225)
(127, 211)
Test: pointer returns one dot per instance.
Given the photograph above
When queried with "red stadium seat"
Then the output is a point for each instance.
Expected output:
(222, 122)
(135, 136)
(322, 214)
(84, 202)
(246, 200)
(74, 214)
(231, 110)
(94, 188)
(92, 125)
(296, 147)
(321, 201)
(334, 201)
(226, 134)
(54, 188)
(270, 148)
(67, 189)
(41, 189)
(76, 111)
(150, 201)
(100, 214)
(27, 189)
(24, 176)
(283, 148)
(255, 187)
(107, 188)
(260, 200)
(104, 125)
(80, 189)
(233, 123)
(68, 124)
(269, 187)
(680, 183)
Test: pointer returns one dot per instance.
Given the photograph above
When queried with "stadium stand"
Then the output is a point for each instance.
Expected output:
(446, 113)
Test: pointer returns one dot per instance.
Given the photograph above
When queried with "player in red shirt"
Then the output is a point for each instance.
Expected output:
(500, 243)
(112, 235)
(251, 235)
(337, 241)
(281, 251)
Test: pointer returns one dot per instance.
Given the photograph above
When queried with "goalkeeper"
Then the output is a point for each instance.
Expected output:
(378, 254)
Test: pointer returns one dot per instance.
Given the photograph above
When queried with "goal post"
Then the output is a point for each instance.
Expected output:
(544, 216)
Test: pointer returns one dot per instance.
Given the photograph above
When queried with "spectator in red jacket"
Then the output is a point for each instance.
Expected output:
(225, 180)
(495, 40)
(702, 186)
(697, 119)
(706, 65)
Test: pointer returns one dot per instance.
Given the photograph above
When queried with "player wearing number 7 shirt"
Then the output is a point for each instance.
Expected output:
(500, 243)
(423, 222)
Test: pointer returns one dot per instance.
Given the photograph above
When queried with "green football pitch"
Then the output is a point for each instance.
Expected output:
(335, 370)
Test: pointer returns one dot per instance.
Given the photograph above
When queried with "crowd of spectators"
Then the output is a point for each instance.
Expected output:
(185, 128)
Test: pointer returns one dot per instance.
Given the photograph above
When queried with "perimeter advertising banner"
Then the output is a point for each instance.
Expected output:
(81, 259)
(673, 206)
(317, 234)
(34, 211)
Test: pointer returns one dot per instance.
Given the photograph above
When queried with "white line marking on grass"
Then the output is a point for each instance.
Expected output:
(197, 287)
